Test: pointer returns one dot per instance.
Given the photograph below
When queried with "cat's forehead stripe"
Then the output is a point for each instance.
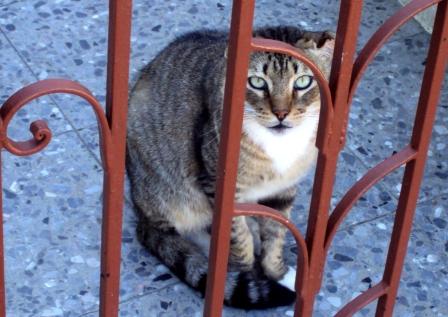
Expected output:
(265, 69)
(276, 66)
(278, 63)
(282, 63)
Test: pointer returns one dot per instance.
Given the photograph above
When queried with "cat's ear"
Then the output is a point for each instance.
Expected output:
(319, 44)
(326, 50)
(306, 44)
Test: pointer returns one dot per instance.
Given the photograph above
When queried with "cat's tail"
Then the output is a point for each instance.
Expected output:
(247, 290)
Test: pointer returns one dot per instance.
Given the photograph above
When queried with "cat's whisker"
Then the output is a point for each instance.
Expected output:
(310, 116)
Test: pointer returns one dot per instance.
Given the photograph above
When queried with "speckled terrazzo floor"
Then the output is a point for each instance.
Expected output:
(52, 199)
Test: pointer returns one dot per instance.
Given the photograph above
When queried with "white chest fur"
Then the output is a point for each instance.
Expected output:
(285, 148)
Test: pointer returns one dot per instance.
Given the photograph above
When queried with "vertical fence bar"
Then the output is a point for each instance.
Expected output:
(2, 254)
(345, 48)
(120, 13)
(235, 92)
(421, 138)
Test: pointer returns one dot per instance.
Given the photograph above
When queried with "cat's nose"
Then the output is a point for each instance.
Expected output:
(281, 114)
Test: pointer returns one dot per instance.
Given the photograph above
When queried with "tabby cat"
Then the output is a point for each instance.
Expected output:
(172, 150)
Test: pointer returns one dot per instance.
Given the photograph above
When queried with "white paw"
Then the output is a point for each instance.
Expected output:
(289, 279)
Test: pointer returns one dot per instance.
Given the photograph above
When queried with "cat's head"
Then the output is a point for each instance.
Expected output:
(282, 91)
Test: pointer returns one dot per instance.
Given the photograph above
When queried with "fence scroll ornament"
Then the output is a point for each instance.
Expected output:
(112, 135)
(336, 96)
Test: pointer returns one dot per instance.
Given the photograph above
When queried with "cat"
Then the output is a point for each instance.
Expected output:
(174, 125)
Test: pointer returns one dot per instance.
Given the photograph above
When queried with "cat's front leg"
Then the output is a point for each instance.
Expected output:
(241, 245)
(272, 235)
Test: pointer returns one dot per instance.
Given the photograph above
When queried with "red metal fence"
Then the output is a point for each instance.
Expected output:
(112, 130)
(336, 98)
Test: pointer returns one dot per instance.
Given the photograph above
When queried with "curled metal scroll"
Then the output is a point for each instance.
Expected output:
(39, 129)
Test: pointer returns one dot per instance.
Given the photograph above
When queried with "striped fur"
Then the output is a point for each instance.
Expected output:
(173, 137)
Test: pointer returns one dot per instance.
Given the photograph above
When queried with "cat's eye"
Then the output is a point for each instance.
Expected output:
(303, 82)
(257, 83)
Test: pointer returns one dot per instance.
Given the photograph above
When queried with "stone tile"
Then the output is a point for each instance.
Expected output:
(141, 272)
(376, 12)
(424, 277)
(91, 138)
(355, 262)
(52, 212)
(64, 39)
(90, 135)
(378, 201)
(383, 113)
(14, 76)
(52, 230)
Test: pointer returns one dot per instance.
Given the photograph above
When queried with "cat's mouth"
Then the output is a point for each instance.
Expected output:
(279, 127)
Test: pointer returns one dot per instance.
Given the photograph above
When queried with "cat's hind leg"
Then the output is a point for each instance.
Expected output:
(243, 289)
(182, 257)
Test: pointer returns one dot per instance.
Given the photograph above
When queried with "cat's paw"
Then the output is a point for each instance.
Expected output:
(289, 279)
